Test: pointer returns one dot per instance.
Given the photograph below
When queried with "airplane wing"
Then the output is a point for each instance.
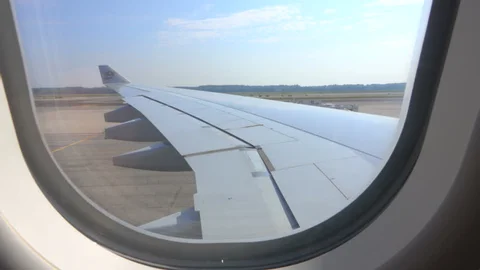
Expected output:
(262, 168)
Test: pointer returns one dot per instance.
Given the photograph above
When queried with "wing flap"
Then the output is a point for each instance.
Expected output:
(351, 175)
(312, 197)
(236, 197)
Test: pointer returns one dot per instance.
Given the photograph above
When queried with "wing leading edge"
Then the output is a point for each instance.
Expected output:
(259, 174)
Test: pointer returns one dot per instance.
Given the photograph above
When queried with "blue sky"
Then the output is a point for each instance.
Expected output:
(180, 42)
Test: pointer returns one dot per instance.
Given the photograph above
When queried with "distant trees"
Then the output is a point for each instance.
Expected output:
(348, 88)
(335, 88)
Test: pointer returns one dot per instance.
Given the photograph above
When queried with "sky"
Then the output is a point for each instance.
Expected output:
(198, 42)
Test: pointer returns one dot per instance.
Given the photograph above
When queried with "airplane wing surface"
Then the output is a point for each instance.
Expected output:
(262, 168)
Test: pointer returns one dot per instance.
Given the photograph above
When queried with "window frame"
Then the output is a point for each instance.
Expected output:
(119, 236)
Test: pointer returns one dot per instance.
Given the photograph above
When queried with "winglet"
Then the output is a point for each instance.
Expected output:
(110, 76)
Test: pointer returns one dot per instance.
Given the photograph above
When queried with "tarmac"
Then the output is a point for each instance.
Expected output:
(76, 140)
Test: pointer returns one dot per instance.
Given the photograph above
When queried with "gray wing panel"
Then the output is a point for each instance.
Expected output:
(256, 177)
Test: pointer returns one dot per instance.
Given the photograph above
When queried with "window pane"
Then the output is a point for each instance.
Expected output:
(276, 116)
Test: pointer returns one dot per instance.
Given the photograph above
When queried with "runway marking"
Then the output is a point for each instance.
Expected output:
(77, 142)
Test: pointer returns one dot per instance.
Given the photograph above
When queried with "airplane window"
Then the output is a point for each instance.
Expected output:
(218, 123)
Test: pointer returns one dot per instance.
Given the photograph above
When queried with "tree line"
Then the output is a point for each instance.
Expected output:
(335, 88)
(347, 88)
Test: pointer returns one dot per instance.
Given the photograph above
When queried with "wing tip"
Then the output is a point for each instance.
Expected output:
(109, 75)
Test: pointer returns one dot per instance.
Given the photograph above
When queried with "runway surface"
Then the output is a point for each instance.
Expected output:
(75, 138)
